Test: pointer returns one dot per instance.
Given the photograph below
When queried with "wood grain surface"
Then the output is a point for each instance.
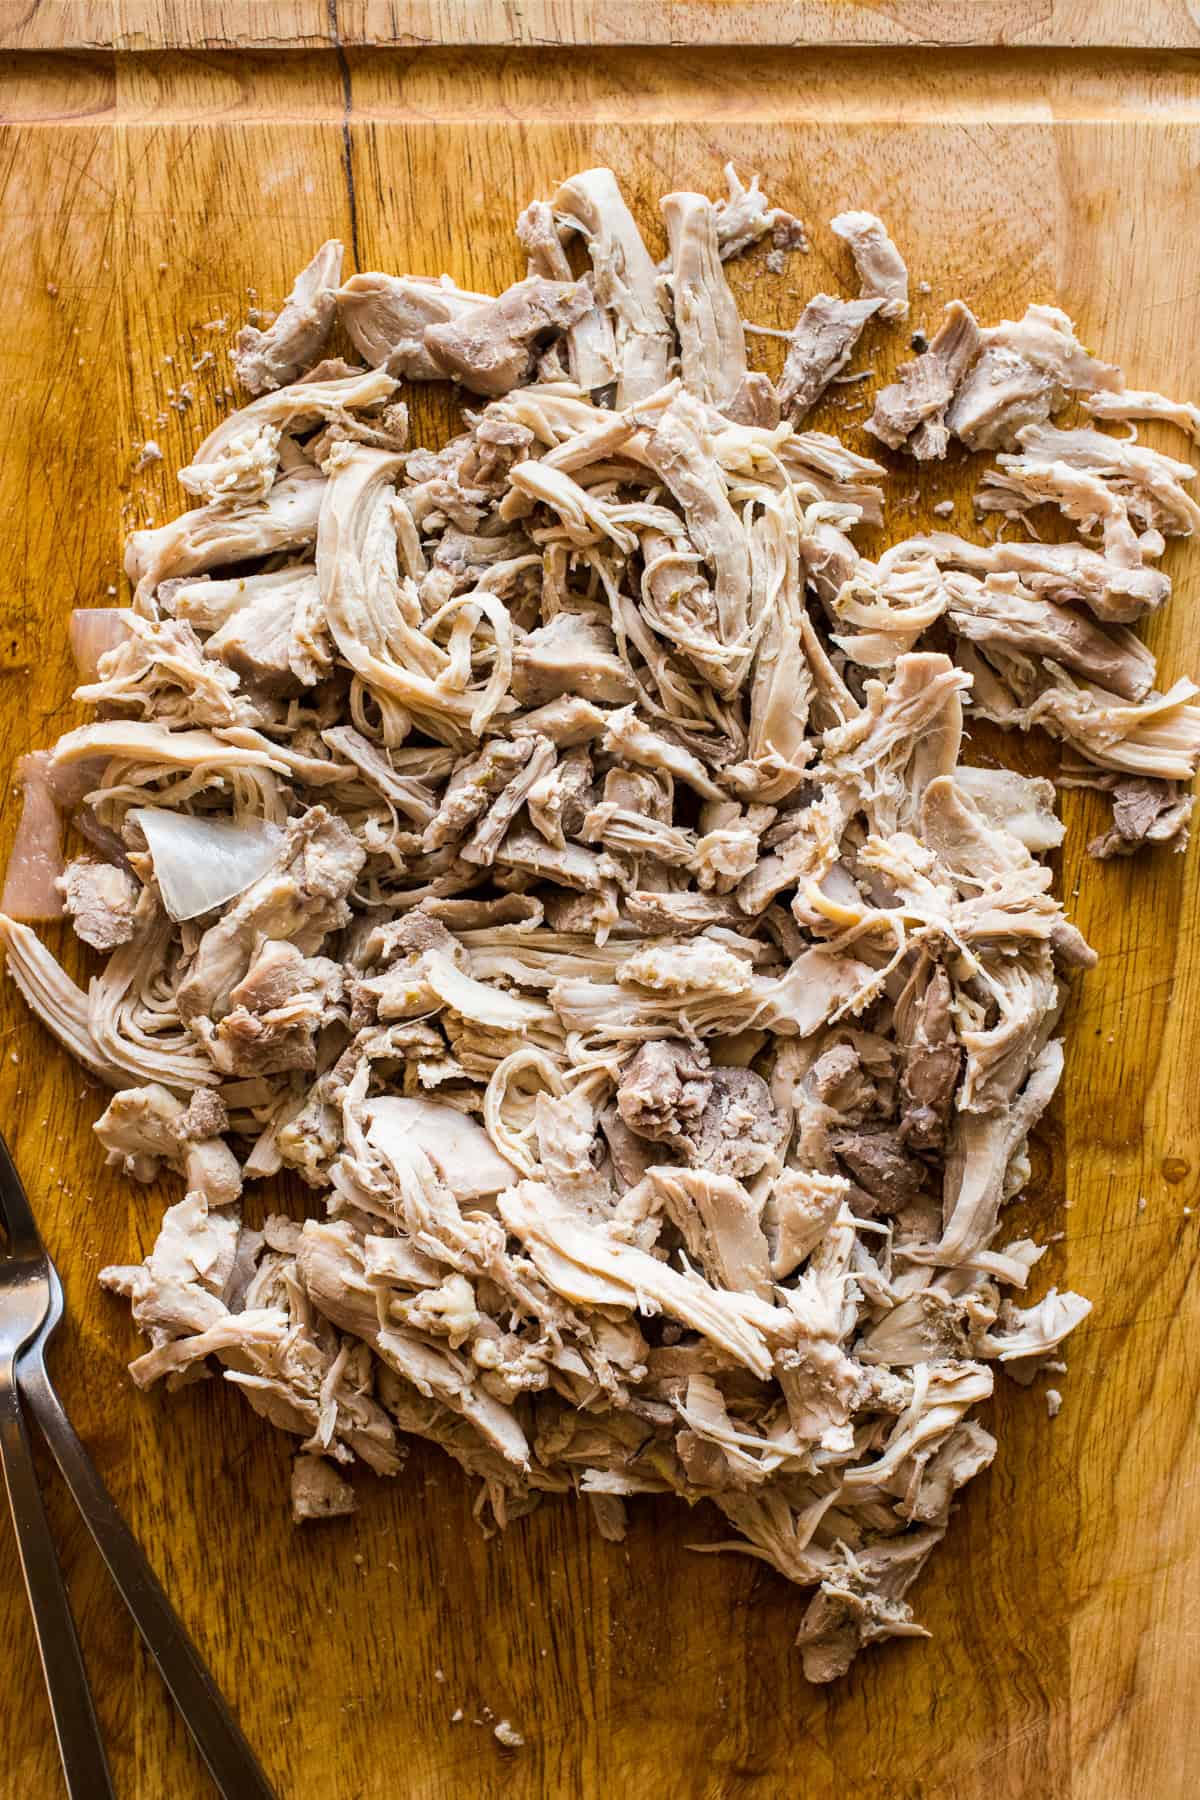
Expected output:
(145, 197)
(291, 24)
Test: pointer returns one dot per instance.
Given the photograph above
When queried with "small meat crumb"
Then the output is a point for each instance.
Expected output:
(944, 508)
(439, 1674)
(456, 1717)
(151, 453)
(512, 1740)
(1053, 1402)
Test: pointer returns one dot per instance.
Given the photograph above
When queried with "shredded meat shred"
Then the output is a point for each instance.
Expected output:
(654, 1005)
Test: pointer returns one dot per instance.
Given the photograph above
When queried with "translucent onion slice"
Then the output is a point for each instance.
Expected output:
(36, 860)
(93, 631)
(200, 863)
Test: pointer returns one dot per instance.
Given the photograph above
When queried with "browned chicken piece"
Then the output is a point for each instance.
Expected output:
(296, 339)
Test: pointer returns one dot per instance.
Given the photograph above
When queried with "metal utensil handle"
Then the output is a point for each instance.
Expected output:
(75, 1725)
(231, 1762)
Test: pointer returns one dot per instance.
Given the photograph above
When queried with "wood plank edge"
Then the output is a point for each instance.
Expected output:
(439, 86)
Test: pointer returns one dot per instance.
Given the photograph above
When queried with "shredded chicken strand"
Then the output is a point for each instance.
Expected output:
(555, 848)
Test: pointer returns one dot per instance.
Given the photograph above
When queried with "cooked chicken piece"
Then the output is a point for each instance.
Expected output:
(591, 346)
(218, 535)
(720, 1226)
(1020, 804)
(739, 1131)
(680, 449)
(743, 217)
(932, 1059)
(640, 744)
(271, 1017)
(553, 847)
(490, 348)
(299, 902)
(281, 639)
(294, 341)
(861, 1601)
(712, 344)
(820, 347)
(756, 402)
(575, 654)
(459, 1149)
(803, 1205)
(721, 1120)
(623, 277)
(1024, 372)
(1147, 483)
(53, 997)
(1000, 610)
(386, 317)
(239, 461)
(99, 898)
(1061, 572)
(664, 1091)
(484, 842)
(318, 1491)
(881, 270)
(473, 786)
(1145, 811)
(912, 411)
(411, 797)
(146, 1126)
(1130, 404)
(879, 1164)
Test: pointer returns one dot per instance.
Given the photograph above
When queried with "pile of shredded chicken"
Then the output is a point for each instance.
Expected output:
(555, 849)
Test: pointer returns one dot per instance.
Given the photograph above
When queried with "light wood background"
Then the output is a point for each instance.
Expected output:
(141, 195)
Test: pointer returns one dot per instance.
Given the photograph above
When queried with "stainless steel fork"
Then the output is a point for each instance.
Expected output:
(31, 1306)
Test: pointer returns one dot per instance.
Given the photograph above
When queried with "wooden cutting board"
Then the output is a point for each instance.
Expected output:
(144, 196)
